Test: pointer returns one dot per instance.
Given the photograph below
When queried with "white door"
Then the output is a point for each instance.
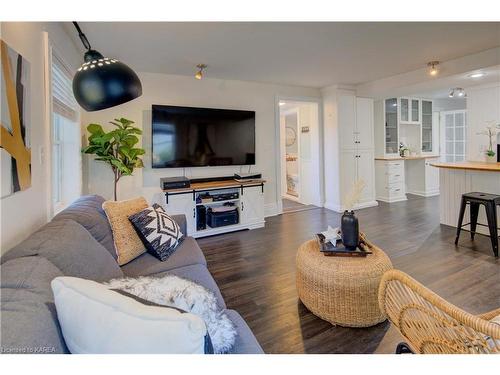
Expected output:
(185, 205)
(366, 171)
(364, 123)
(346, 108)
(252, 205)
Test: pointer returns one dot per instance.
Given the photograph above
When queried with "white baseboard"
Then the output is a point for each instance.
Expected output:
(271, 209)
(340, 209)
(392, 200)
(421, 193)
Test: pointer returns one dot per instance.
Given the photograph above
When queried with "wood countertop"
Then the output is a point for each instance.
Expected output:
(216, 185)
(470, 165)
(417, 157)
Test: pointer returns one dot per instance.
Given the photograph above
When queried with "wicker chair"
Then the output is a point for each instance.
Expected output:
(432, 325)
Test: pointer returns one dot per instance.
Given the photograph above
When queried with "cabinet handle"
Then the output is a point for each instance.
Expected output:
(194, 212)
(396, 175)
(242, 206)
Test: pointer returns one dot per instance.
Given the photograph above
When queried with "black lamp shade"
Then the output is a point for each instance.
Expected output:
(103, 82)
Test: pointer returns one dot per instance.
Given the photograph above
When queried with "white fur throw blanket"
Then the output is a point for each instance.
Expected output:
(185, 295)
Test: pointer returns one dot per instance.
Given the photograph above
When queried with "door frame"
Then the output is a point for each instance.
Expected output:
(283, 153)
(278, 152)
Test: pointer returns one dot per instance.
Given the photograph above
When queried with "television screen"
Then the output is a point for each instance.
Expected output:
(198, 137)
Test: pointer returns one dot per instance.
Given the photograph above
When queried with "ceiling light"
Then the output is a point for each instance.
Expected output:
(282, 103)
(457, 92)
(103, 85)
(199, 73)
(477, 75)
(433, 69)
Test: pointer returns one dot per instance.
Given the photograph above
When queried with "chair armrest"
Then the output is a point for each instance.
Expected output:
(181, 221)
(490, 314)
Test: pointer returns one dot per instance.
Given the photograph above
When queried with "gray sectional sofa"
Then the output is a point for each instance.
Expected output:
(78, 242)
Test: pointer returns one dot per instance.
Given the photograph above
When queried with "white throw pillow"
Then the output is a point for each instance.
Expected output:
(95, 319)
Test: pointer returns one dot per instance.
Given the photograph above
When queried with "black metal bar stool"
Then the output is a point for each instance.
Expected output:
(490, 203)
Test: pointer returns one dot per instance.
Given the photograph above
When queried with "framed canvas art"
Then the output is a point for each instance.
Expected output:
(15, 142)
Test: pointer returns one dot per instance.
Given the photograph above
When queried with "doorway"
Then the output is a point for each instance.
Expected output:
(300, 155)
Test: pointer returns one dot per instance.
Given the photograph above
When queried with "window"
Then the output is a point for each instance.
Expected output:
(66, 158)
(453, 131)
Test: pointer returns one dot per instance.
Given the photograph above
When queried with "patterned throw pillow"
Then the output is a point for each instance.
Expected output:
(157, 230)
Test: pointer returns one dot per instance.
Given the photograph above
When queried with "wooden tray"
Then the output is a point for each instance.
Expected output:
(328, 249)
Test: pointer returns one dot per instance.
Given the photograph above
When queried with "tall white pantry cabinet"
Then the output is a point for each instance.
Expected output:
(349, 138)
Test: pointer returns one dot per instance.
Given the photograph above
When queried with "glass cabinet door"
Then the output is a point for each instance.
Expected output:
(391, 126)
(426, 126)
(404, 110)
(415, 110)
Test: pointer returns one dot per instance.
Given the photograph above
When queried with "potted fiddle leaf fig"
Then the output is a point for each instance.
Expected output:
(116, 147)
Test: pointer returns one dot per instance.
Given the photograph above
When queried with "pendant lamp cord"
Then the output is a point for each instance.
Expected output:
(82, 36)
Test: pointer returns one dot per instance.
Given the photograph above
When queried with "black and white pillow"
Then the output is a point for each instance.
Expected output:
(158, 231)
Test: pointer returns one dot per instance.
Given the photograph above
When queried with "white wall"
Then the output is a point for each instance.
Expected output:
(25, 211)
(483, 106)
(187, 91)
(449, 104)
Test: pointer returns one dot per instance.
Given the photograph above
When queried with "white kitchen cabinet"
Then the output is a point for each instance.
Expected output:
(349, 148)
(407, 120)
(364, 124)
(409, 110)
(347, 122)
(357, 165)
(366, 172)
(390, 180)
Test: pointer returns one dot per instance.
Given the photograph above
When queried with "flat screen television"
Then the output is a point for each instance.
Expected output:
(200, 137)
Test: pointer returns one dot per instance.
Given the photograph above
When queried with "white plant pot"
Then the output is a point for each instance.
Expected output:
(491, 159)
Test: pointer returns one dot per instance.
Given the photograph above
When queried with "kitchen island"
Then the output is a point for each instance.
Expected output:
(458, 178)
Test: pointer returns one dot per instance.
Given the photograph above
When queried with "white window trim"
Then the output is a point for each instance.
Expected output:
(45, 151)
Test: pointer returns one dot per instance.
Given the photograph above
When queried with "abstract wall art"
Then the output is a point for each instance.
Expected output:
(15, 136)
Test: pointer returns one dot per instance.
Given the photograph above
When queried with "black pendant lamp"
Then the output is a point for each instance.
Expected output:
(103, 82)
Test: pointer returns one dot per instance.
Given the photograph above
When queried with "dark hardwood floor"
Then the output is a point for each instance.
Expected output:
(255, 271)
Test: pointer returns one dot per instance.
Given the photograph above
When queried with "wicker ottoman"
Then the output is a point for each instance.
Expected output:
(341, 290)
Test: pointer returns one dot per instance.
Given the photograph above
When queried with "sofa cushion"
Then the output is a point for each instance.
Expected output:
(72, 249)
(246, 343)
(95, 319)
(128, 245)
(188, 253)
(87, 211)
(28, 320)
(158, 231)
(200, 275)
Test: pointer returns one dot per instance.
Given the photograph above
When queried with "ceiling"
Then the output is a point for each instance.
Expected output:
(444, 85)
(303, 54)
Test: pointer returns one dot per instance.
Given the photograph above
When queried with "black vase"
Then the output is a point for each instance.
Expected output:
(350, 230)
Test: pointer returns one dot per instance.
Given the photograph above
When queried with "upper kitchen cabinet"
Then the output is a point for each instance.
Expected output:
(404, 120)
(409, 110)
(391, 126)
(427, 126)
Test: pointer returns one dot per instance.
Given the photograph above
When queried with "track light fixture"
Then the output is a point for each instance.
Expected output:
(457, 92)
(433, 67)
(103, 82)
(199, 73)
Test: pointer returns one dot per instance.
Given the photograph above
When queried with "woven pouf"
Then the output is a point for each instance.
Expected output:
(341, 290)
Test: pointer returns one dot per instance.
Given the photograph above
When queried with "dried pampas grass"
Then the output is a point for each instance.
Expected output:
(354, 195)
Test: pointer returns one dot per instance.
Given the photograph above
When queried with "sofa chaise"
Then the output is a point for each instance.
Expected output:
(78, 242)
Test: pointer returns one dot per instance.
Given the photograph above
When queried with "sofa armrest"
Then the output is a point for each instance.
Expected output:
(181, 221)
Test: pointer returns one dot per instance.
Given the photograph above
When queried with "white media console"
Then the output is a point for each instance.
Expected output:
(249, 203)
